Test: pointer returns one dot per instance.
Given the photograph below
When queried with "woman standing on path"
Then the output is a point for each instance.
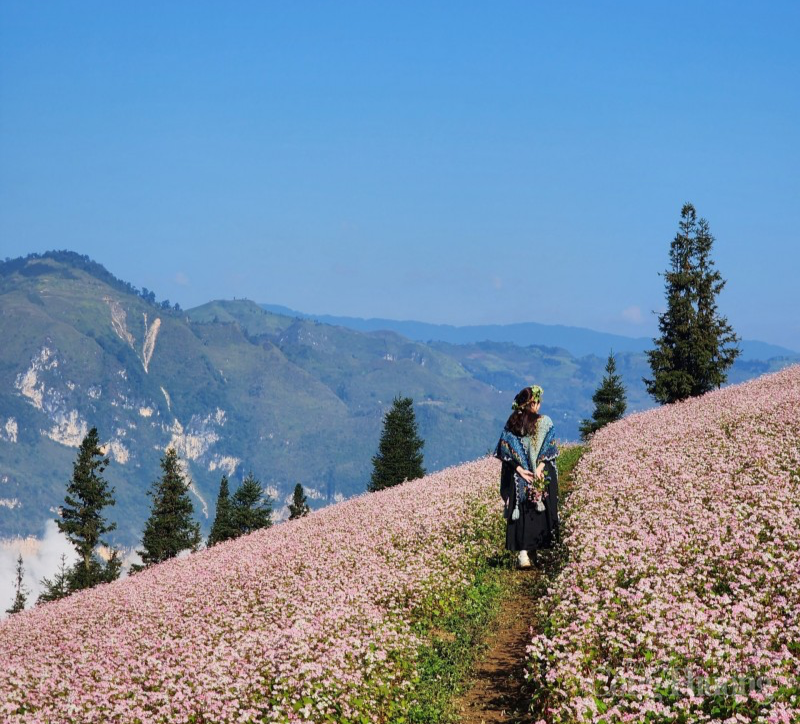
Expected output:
(529, 479)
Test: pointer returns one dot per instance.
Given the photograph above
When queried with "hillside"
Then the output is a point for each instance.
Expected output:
(232, 387)
(261, 628)
(680, 599)
(79, 351)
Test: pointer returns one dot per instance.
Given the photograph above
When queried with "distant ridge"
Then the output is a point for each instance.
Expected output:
(579, 341)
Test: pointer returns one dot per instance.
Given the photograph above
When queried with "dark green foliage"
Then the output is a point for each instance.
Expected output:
(58, 587)
(84, 263)
(111, 568)
(81, 517)
(399, 455)
(299, 505)
(223, 527)
(609, 401)
(81, 576)
(252, 509)
(697, 346)
(170, 528)
(21, 592)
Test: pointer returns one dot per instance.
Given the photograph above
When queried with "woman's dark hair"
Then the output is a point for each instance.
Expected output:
(522, 422)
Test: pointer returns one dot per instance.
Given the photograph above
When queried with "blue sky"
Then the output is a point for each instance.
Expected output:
(448, 162)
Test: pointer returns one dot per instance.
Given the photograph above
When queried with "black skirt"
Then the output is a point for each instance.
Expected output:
(534, 530)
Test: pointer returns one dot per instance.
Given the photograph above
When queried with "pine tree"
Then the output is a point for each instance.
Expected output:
(299, 505)
(716, 342)
(223, 527)
(399, 455)
(252, 509)
(59, 586)
(609, 401)
(21, 591)
(81, 516)
(697, 346)
(170, 528)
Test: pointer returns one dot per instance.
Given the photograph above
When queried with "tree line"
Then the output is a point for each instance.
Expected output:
(169, 529)
(82, 261)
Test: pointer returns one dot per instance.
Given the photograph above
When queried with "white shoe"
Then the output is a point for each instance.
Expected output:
(522, 560)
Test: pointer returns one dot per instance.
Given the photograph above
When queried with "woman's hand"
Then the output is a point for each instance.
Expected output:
(526, 474)
(539, 474)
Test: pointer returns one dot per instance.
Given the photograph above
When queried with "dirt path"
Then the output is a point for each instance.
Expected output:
(495, 693)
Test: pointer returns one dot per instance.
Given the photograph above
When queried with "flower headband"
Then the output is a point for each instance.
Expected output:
(536, 396)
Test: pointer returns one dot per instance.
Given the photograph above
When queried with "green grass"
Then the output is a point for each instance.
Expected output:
(567, 460)
(445, 663)
(455, 636)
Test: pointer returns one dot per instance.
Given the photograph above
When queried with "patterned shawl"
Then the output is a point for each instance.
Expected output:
(527, 452)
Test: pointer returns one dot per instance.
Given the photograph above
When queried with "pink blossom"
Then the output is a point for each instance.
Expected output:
(682, 587)
(310, 620)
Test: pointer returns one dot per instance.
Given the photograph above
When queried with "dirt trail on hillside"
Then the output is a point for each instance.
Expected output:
(495, 693)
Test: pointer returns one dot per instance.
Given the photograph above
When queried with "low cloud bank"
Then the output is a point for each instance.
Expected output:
(41, 557)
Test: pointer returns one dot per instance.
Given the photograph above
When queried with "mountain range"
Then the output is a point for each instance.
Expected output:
(237, 388)
(578, 340)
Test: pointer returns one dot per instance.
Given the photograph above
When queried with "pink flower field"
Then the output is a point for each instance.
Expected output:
(310, 621)
(680, 597)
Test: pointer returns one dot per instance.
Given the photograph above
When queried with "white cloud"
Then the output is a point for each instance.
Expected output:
(41, 557)
(633, 315)
(181, 279)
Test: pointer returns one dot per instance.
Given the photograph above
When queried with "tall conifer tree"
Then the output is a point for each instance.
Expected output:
(399, 455)
(81, 517)
(252, 508)
(170, 528)
(609, 400)
(299, 505)
(697, 346)
(20, 590)
(223, 527)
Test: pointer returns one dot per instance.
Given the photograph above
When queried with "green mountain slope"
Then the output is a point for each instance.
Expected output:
(78, 352)
(236, 388)
(232, 387)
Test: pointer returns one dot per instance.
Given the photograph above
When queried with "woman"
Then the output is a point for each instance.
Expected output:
(529, 480)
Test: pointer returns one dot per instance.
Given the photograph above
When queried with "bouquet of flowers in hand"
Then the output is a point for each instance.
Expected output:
(536, 491)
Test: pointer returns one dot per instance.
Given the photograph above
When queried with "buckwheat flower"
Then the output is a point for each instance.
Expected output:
(247, 630)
